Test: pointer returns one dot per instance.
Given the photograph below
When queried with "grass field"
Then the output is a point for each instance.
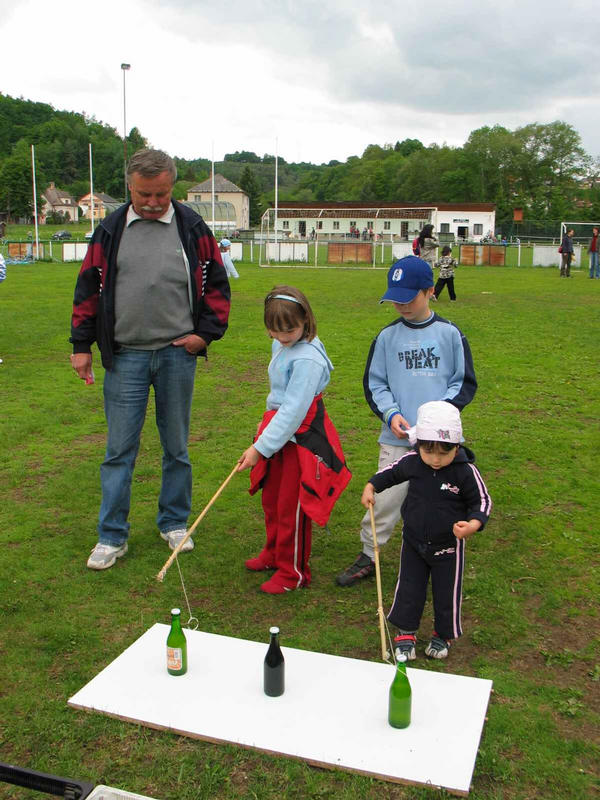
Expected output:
(531, 588)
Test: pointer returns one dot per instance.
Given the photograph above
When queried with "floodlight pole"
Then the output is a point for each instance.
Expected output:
(276, 186)
(35, 213)
(125, 68)
(91, 184)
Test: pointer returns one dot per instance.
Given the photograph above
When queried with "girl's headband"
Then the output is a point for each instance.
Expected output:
(283, 297)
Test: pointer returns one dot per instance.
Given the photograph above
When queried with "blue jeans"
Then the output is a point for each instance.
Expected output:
(594, 267)
(126, 389)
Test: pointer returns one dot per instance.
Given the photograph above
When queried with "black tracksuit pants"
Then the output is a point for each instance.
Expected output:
(445, 563)
(441, 282)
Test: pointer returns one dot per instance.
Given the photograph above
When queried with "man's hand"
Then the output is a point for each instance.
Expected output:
(192, 343)
(82, 364)
(399, 426)
(249, 458)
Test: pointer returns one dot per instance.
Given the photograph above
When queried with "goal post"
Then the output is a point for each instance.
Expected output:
(333, 236)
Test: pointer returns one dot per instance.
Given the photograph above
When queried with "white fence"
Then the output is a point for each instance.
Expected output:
(548, 256)
(287, 251)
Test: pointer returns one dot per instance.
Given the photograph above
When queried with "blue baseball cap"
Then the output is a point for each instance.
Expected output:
(406, 278)
(225, 243)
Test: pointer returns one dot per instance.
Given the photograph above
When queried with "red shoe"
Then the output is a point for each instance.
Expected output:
(276, 585)
(258, 564)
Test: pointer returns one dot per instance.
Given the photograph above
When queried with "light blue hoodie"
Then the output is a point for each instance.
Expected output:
(297, 375)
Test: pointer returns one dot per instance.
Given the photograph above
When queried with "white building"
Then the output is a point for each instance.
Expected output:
(225, 192)
(388, 221)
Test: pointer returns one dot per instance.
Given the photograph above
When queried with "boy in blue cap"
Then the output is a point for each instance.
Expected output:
(418, 358)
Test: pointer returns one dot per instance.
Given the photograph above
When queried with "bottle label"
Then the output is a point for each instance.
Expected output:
(174, 658)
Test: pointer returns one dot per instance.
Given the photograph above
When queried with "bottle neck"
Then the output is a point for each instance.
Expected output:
(176, 622)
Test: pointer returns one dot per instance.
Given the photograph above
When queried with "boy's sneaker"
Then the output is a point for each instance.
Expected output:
(404, 645)
(437, 647)
(175, 537)
(363, 567)
(104, 556)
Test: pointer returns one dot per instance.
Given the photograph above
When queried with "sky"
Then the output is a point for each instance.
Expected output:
(313, 80)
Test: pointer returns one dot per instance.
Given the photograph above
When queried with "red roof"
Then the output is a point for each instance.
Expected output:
(344, 204)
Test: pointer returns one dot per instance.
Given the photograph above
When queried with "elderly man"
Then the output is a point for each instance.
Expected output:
(153, 294)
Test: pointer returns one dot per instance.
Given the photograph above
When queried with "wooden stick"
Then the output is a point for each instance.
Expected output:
(201, 516)
(378, 581)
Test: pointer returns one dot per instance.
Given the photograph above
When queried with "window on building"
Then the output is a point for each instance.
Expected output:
(353, 223)
(477, 229)
(336, 225)
(319, 224)
(387, 225)
(445, 227)
(286, 225)
(370, 225)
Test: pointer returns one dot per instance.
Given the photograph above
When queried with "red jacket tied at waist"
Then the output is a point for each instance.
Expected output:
(323, 471)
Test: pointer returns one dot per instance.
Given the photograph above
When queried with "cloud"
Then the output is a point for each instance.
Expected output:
(456, 58)
(325, 77)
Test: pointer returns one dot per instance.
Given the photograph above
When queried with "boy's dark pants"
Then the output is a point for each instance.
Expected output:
(441, 282)
(445, 563)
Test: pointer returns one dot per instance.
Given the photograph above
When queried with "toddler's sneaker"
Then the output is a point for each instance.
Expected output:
(437, 647)
(175, 537)
(104, 556)
(404, 645)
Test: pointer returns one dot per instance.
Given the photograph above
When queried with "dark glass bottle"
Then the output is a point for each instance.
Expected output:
(400, 697)
(176, 646)
(274, 666)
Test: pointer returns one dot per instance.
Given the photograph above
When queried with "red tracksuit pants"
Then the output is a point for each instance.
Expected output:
(289, 530)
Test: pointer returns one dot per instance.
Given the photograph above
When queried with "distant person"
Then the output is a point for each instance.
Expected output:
(225, 248)
(428, 245)
(566, 251)
(447, 265)
(417, 358)
(446, 502)
(2, 275)
(296, 458)
(153, 294)
(593, 252)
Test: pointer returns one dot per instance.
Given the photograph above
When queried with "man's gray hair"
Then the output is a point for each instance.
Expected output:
(150, 163)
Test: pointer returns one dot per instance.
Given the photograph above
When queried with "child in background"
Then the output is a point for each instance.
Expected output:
(225, 247)
(428, 244)
(417, 358)
(447, 265)
(447, 501)
(296, 457)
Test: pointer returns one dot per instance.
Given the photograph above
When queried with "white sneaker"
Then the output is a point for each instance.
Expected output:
(104, 556)
(175, 537)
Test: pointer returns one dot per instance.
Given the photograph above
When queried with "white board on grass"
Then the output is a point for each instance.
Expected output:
(333, 712)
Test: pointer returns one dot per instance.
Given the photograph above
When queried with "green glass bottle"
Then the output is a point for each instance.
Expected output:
(274, 670)
(176, 646)
(400, 697)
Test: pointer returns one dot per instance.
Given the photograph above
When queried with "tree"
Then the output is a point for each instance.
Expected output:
(250, 185)
(16, 190)
(243, 156)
